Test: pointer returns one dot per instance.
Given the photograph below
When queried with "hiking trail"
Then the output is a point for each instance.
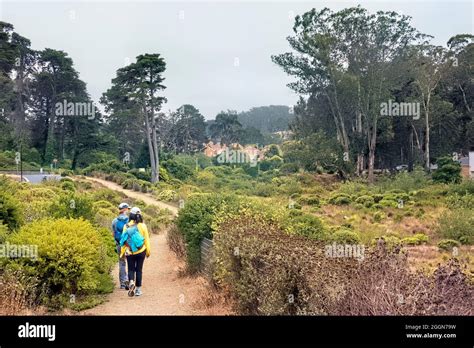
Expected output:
(165, 291)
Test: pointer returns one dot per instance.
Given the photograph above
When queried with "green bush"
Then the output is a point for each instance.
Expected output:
(390, 241)
(339, 199)
(312, 200)
(457, 224)
(263, 190)
(68, 186)
(388, 203)
(10, 210)
(405, 181)
(289, 168)
(306, 225)
(345, 236)
(449, 171)
(365, 200)
(72, 206)
(456, 201)
(195, 222)
(145, 176)
(177, 169)
(466, 187)
(448, 244)
(72, 255)
(167, 195)
(417, 239)
(379, 216)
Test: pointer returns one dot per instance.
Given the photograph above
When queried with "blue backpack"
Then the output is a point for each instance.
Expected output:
(122, 220)
(134, 238)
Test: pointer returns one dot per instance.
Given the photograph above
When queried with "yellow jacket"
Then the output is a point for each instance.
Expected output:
(144, 232)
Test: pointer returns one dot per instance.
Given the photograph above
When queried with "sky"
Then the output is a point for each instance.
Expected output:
(218, 54)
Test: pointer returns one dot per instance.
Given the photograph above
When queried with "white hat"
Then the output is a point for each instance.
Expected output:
(135, 210)
(123, 206)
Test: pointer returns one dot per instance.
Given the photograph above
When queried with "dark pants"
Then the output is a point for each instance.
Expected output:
(135, 265)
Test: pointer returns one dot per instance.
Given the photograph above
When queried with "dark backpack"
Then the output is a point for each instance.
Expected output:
(119, 225)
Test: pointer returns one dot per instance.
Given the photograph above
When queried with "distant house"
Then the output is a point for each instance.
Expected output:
(213, 150)
(467, 165)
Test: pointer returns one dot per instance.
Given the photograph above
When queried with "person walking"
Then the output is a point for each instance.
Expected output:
(135, 244)
(117, 228)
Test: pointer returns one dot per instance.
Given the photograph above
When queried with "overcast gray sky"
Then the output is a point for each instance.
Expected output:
(217, 53)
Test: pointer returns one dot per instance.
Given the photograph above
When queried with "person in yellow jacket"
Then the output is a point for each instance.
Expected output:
(135, 245)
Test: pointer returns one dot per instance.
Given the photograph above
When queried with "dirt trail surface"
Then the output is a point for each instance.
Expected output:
(165, 291)
(148, 199)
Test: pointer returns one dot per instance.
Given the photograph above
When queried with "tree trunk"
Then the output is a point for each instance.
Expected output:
(151, 150)
(427, 131)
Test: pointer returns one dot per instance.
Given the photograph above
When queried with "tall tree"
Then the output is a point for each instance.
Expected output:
(343, 51)
(140, 84)
(226, 128)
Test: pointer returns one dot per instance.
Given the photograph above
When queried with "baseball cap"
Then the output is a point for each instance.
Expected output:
(123, 206)
(135, 210)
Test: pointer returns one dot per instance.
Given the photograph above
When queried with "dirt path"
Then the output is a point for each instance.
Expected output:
(165, 292)
(145, 197)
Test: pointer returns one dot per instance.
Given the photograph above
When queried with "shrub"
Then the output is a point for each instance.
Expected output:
(456, 201)
(383, 284)
(176, 242)
(205, 177)
(71, 255)
(177, 169)
(289, 168)
(417, 239)
(345, 236)
(339, 199)
(379, 216)
(458, 225)
(72, 206)
(167, 195)
(366, 200)
(388, 203)
(405, 181)
(377, 197)
(449, 171)
(263, 190)
(464, 188)
(10, 210)
(269, 272)
(195, 222)
(68, 186)
(111, 196)
(17, 292)
(306, 225)
(448, 244)
(104, 205)
(312, 200)
(390, 242)
(103, 217)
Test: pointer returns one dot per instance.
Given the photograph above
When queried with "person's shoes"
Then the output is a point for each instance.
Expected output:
(131, 288)
(124, 286)
(138, 291)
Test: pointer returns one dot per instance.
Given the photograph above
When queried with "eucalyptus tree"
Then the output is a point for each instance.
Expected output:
(337, 53)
